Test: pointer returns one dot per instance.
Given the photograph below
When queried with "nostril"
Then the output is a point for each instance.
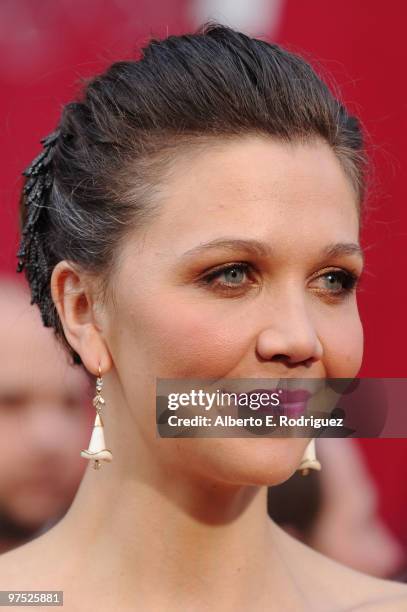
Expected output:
(280, 357)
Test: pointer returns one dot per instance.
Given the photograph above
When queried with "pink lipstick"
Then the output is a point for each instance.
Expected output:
(291, 402)
(294, 403)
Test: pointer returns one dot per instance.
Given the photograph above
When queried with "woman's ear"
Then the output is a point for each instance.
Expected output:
(74, 300)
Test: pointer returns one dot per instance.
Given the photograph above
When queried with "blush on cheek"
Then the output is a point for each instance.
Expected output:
(344, 353)
(189, 345)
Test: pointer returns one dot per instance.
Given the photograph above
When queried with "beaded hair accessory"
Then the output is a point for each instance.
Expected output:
(31, 255)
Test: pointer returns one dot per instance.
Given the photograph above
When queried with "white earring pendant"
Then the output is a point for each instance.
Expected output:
(97, 450)
(309, 459)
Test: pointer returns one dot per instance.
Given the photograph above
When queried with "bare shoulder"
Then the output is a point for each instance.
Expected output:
(20, 567)
(354, 590)
(31, 566)
(48, 563)
(395, 601)
(333, 586)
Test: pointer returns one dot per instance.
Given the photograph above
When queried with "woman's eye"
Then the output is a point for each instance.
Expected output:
(230, 277)
(337, 282)
(236, 277)
(233, 276)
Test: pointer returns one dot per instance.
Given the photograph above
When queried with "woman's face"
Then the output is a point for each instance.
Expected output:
(246, 272)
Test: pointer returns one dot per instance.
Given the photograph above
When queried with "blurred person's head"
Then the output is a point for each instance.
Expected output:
(336, 512)
(44, 420)
(349, 527)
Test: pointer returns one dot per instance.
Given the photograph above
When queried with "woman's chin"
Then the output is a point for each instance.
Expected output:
(244, 461)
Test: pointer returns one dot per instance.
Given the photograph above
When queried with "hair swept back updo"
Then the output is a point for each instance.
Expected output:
(116, 141)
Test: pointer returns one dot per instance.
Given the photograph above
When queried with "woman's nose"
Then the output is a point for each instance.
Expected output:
(291, 337)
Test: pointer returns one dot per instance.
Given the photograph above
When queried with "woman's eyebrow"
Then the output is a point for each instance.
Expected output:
(262, 249)
(343, 248)
(256, 247)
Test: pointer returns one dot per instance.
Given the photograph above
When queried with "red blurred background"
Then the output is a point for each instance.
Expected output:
(47, 47)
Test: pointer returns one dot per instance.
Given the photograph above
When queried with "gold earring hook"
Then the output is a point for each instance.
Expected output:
(99, 371)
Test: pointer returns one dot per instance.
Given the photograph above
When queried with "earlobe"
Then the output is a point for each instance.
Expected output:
(73, 299)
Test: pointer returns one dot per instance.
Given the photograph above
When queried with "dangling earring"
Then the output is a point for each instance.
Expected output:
(97, 450)
(309, 459)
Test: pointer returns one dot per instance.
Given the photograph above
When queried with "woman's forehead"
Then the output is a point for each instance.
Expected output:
(258, 184)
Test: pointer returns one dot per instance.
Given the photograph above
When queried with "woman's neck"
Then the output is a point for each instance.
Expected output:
(167, 541)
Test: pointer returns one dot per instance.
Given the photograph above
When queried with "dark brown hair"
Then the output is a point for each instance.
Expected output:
(100, 170)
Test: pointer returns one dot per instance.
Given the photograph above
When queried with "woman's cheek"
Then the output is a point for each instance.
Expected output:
(189, 343)
(343, 348)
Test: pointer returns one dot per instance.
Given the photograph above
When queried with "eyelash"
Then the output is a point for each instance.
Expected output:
(349, 280)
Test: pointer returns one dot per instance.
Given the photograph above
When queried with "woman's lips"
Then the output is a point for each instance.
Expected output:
(291, 402)
(294, 403)
(294, 396)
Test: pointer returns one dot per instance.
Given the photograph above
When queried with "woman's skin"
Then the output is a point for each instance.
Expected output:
(182, 524)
